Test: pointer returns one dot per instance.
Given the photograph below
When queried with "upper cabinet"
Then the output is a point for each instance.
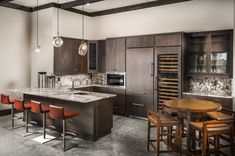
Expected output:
(140, 41)
(115, 54)
(102, 56)
(92, 56)
(210, 53)
(166, 40)
(67, 60)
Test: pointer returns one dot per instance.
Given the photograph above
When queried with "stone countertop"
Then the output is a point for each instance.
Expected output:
(65, 94)
(95, 85)
(205, 94)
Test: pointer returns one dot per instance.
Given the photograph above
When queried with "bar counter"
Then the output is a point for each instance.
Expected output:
(96, 110)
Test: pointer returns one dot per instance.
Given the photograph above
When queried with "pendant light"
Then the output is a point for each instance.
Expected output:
(58, 41)
(83, 47)
(37, 48)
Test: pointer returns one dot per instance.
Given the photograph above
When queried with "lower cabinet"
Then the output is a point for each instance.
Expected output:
(119, 106)
(138, 103)
(225, 102)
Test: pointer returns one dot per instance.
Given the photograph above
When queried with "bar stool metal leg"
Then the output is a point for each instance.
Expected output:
(12, 115)
(64, 127)
(26, 120)
(44, 125)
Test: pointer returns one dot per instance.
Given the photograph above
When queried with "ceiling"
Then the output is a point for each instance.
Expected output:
(91, 7)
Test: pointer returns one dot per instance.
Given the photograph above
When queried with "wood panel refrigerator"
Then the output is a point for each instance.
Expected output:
(139, 81)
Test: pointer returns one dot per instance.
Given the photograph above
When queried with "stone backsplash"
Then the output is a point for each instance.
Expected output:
(81, 79)
(212, 86)
(99, 78)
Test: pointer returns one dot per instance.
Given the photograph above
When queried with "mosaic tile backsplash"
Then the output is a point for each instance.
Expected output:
(99, 78)
(212, 86)
(81, 79)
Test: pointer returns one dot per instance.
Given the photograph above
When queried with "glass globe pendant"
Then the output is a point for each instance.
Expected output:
(58, 41)
(83, 48)
(37, 49)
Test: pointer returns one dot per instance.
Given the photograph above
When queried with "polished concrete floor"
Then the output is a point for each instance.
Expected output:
(128, 138)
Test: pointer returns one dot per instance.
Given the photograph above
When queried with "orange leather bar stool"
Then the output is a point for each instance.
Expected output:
(6, 100)
(22, 106)
(59, 113)
(37, 107)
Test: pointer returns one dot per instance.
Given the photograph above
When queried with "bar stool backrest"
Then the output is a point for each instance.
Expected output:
(19, 104)
(56, 112)
(36, 106)
(5, 99)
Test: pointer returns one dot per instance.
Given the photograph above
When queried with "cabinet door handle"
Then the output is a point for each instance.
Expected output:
(152, 69)
(136, 104)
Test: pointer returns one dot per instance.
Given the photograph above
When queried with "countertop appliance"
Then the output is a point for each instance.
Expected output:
(116, 78)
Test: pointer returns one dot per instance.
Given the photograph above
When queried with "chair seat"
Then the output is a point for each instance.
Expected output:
(211, 127)
(164, 118)
(219, 116)
(45, 109)
(69, 114)
(27, 105)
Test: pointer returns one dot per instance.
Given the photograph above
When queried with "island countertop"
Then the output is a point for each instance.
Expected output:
(65, 94)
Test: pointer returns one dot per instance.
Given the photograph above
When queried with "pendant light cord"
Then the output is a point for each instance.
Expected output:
(37, 23)
(58, 22)
(83, 21)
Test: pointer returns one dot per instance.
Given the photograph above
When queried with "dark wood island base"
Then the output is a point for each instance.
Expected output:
(95, 119)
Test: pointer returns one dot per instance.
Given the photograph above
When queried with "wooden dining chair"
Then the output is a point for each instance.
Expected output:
(164, 124)
(224, 114)
(211, 132)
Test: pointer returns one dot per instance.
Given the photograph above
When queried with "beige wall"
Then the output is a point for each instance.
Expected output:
(14, 48)
(197, 15)
(44, 60)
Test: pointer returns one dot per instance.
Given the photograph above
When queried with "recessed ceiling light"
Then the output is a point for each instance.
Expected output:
(88, 4)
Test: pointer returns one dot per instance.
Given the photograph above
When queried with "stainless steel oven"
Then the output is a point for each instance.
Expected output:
(116, 78)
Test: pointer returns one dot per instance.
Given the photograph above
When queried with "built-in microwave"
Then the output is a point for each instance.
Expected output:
(116, 78)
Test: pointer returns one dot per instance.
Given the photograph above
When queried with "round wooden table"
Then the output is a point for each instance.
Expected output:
(190, 106)
(193, 105)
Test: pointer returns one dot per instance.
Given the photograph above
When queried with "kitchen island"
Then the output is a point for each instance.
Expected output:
(96, 110)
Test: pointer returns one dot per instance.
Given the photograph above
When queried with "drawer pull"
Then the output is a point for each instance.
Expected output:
(115, 107)
(136, 104)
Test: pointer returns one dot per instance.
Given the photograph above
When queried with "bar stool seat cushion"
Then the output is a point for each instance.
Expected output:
(69, 114)
(45, 109)
(20, 105)
(6, 100)
(27, 105)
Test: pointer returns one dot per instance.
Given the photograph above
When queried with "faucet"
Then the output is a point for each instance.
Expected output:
(73, 82)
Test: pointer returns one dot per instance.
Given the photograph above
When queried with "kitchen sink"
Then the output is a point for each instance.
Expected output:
(81, 93)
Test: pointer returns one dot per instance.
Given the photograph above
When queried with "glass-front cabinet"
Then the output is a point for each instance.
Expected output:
(210, 53)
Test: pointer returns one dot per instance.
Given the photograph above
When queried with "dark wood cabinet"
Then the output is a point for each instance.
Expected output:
(140, 41)
(225, 102)
(139, 81)
(101, 56)
(115, 54)
(92, 57)
(210, 53)
(171, 39)
(67, 60)
(119, 106)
